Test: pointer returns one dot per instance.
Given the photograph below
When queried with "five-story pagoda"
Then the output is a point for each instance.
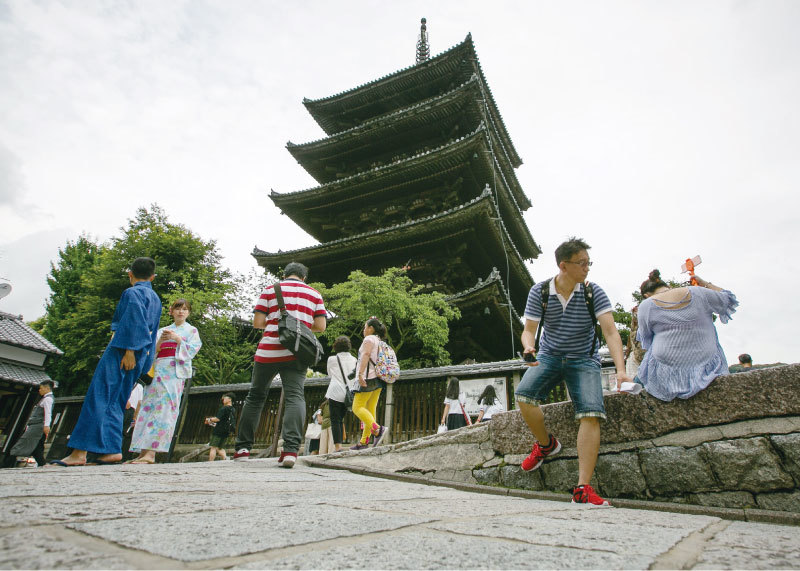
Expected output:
(417, 171)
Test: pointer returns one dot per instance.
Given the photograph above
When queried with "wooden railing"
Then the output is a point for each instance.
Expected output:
(418, 404)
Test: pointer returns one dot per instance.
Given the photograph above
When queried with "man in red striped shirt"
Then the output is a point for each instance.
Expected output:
(305, 304)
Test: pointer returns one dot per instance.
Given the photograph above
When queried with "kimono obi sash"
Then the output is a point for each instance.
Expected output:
(167, 349)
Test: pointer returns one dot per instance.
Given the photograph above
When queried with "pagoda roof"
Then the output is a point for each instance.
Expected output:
(384, 183)
(489, 326)
(412, 84)
(476, 222)
(23, 374)
(493, 282)
(410, 129)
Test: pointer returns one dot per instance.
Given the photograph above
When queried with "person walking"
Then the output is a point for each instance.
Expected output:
(365, 399)
(129, 353)
(31, 443)
(306, 305)
(177, 345)
(340, 366)
(568, 352)
(224, 424)
(489, 404)
(454, 415)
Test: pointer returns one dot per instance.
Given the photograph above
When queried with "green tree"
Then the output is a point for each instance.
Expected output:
(417, 322)
(87, 287)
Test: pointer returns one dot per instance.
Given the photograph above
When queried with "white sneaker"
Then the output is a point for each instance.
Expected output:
(287, 459)
(243, 454)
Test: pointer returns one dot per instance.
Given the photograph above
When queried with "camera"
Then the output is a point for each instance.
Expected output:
(352, 375)
(527, 357)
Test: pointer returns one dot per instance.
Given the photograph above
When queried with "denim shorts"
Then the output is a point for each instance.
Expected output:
(583, 380)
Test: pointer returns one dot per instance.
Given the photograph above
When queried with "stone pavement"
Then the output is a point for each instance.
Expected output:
(254, 515)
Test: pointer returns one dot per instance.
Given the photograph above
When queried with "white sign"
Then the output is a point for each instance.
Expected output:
(473, 388)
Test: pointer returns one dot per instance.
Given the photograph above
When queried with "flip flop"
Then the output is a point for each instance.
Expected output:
(104, 463)
(137, 461)
(63, 464)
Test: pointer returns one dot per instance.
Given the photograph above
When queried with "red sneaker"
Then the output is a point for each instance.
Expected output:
(586, 495)
(287, 459)
(243, 454)
(539, 453)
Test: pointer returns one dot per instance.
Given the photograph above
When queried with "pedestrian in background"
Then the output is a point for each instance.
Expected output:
(365, 400)
(454, 415)
(340, 366)
(489, 403)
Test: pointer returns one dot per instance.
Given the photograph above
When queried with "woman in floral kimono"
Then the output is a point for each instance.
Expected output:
(158, 412)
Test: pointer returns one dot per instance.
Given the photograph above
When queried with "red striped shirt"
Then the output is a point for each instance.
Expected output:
(302, 301)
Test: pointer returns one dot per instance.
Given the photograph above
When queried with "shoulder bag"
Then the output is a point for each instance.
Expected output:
(295, 336)
(348, 394)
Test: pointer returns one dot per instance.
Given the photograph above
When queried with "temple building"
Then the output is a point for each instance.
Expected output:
(418, 171)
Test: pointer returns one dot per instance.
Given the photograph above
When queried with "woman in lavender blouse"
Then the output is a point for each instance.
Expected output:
(677, 331)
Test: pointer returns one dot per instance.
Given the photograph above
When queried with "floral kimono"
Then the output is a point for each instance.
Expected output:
(158, 411)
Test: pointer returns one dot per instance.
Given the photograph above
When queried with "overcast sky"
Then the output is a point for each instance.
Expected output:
(654, 130)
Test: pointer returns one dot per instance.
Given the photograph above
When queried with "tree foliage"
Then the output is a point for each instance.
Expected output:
(88, 280)
(417, 322)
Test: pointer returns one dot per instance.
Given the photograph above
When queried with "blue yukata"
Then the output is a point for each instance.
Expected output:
(135, 327)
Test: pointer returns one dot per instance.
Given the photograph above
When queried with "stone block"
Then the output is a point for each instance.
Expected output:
(780, 501)
(492, 462)
(690, 438)
(771, 393)
(561, 475)
(620, 476)
(725, 499)
(788, 446)
(516, 477)
(513, 459)
(761, 426)
(747, 464)
(487, 476)
(671, 470)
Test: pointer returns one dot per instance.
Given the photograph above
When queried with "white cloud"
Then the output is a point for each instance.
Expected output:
(656, 131)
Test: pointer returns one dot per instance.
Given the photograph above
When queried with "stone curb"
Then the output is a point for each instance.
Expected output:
(733, 514)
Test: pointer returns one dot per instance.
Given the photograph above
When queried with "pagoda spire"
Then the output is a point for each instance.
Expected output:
(423, 48)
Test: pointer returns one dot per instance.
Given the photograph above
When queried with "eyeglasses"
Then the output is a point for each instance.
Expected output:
(582, 263)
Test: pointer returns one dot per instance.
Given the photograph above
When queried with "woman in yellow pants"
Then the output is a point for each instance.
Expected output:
(365, 399)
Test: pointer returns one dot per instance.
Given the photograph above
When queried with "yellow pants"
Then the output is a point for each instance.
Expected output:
(364, 406)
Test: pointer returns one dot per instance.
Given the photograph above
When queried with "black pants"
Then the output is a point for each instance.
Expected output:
(338, 410)
(38, 452)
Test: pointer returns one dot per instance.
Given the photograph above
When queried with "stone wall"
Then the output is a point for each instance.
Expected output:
(736, 444)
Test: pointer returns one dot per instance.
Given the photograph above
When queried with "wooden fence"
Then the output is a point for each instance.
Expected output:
(418, 404)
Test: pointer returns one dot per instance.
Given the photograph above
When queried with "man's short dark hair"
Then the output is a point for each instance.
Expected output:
(143, 268)
(569, 248)
(229, 395)
(47, 383)
(342, 344)
(295, 269)
(744, 359)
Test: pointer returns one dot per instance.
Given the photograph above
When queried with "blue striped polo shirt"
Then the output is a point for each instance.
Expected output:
(567, 325)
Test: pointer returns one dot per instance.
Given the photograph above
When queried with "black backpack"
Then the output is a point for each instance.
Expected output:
(588, 297)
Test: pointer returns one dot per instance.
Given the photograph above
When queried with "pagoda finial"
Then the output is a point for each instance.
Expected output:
(423, 48)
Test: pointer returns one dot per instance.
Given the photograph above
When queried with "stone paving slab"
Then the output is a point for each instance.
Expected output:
(257, 515)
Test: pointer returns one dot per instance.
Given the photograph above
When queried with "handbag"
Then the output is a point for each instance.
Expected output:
(295, 336)
(313, 431)
(348, 394)
(442, 428)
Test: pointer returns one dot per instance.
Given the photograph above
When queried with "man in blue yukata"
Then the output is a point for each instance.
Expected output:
(129, 353)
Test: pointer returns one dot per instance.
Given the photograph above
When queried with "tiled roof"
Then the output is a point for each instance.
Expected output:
(14, 331)
(315, 106)
(22, 374)
(485, 196)
(493, 280)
